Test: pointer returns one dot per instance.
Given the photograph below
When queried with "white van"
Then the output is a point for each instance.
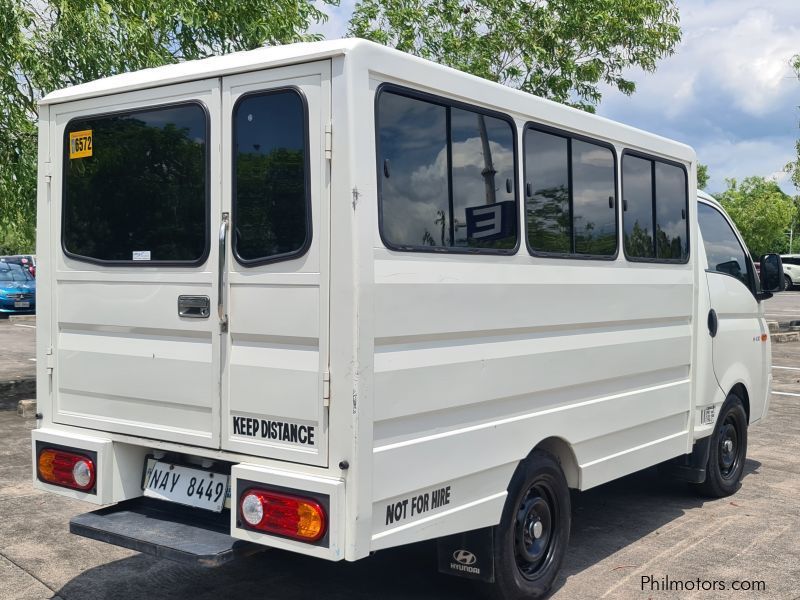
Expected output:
(332, 298)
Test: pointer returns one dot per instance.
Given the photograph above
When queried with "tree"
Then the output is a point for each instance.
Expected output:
(761, 211)
(702, 176)
(793, 168)
(559, 49)
(49, 44)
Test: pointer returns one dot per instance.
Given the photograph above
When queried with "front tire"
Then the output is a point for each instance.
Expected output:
(787, 282)
(727, 451)
(532, 538)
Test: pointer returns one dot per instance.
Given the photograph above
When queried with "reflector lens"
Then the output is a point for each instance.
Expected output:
(66, 469)
(283, 514)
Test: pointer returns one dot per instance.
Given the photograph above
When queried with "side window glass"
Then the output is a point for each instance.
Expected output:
(672, 241)
(547, 191)
(135, 188)
(723, 251)
(570, 195)
(446, 177)
(637, 198)
(593, 198)
(271, 213)
(655, 210)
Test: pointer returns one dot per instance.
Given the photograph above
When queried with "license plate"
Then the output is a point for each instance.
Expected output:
(22, 304)
(184, 485)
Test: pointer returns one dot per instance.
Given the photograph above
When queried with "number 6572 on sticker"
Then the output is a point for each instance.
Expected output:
(80, 144)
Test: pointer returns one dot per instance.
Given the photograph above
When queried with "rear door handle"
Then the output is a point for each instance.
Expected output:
(194, 307)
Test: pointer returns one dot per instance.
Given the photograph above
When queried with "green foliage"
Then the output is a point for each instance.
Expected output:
(761, 211)
(702, 176)
(50, 44)
(793, 168)
(561, 49)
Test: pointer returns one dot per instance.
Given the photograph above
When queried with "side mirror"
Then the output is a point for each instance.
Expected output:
(771, 273)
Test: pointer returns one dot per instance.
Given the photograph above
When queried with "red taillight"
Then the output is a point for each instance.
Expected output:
(66, 469)
(274, 512)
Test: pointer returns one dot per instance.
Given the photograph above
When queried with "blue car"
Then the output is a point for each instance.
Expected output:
(17, 289)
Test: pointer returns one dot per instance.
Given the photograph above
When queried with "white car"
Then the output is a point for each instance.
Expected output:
(791, 270)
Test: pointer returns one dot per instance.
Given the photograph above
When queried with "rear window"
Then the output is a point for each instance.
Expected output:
(135, 186)
(271, 200)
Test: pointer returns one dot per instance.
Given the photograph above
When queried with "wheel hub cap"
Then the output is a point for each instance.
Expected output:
(536, 517)
(728, 449)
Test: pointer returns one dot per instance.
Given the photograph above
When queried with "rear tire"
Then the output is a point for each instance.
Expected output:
(787, 282)
(532, 538)
(727, 451)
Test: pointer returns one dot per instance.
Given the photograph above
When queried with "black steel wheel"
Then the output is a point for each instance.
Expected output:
(532, 537)
(727, 450)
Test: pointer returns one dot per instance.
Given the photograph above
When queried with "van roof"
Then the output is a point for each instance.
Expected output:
(215, 66)
(379, 59)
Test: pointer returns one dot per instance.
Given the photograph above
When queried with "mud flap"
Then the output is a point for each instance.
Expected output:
(689, 467)
(469, 554)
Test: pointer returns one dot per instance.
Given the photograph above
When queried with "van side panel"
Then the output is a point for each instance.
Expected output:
(477, 359)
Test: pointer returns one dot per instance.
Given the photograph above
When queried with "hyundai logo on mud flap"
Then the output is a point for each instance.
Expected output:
(464, 559)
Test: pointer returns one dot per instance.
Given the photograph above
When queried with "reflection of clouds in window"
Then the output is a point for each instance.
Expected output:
(637, 193)
(413, 140)
(670, 208)
(593, 184)
(547, 207)
(415, 195)
(591, 155)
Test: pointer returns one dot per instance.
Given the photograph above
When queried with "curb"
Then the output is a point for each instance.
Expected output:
(785, 337)
(11, 392)
(22, 319)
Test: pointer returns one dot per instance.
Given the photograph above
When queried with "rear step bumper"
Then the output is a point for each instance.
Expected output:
(183, 534)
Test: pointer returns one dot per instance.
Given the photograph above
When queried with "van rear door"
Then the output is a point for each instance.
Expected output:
(133, 203)
(275, 189)
(191, 274)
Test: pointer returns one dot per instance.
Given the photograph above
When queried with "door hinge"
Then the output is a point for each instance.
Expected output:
(47, 171)
(326, 388)
(50, 361)
(329, 140)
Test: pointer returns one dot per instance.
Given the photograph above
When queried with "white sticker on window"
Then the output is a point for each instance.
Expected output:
(141, 255)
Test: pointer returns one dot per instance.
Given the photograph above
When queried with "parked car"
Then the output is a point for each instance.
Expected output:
(791, 270)
(27, 261)
(17, 289)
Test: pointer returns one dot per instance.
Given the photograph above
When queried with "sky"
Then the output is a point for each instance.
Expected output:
(728, 90)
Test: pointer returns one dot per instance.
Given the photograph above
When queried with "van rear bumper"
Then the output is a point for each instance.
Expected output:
(178, 533)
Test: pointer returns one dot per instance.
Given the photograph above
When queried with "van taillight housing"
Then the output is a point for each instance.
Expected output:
(274, 512)
(66, 469)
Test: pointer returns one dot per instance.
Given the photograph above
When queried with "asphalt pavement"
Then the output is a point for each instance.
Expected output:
(627, 535)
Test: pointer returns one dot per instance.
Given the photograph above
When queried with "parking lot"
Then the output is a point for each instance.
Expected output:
(638, 527)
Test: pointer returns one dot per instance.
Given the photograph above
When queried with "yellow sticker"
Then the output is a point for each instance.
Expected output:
(80, 144)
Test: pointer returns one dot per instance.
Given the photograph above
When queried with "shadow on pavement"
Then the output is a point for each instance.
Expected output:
(605, 520)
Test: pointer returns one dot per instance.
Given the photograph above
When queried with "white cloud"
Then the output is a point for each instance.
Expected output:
(738, 49)
(727, 158)
(728, 90)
